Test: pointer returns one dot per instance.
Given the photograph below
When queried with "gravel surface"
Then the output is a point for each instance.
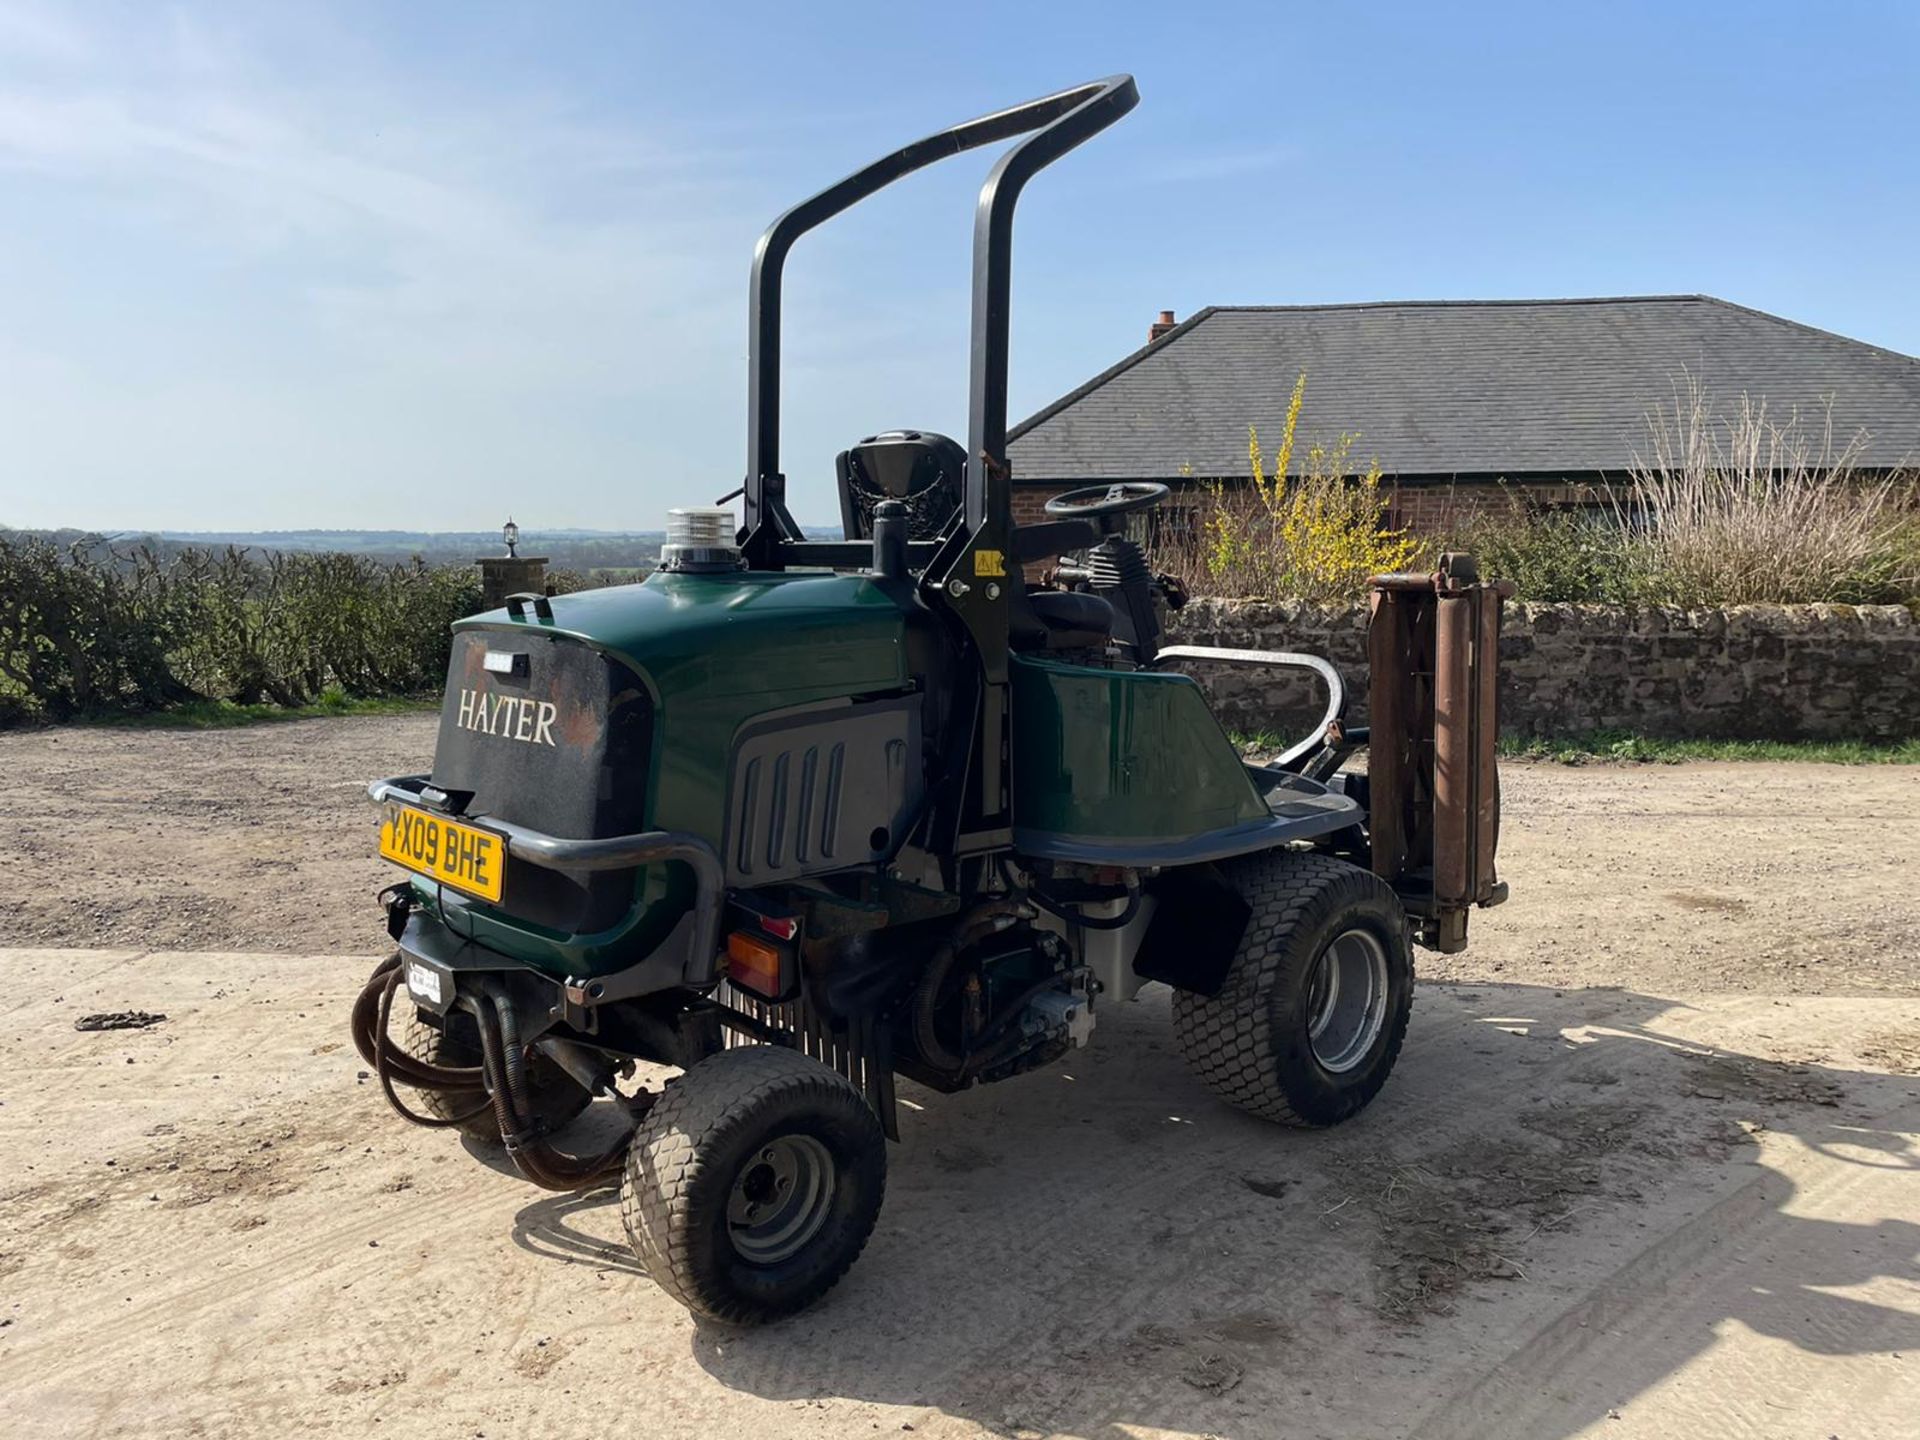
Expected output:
(1782, 879)
(258, 838)
(1695, 1213)
(1648, 1165)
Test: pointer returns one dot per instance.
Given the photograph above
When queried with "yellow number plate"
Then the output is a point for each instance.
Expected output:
(444, 850)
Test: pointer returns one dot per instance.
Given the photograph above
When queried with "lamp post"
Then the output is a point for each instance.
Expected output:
(511, 573)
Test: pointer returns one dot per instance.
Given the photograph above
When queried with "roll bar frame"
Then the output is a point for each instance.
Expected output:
(1059, 123)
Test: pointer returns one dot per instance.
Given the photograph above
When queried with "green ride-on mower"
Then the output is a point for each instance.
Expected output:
(796, 817)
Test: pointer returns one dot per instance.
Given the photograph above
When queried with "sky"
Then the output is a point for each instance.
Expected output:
(365, 266)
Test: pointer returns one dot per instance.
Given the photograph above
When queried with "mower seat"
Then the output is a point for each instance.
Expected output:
(1062, 620)
(924, 471)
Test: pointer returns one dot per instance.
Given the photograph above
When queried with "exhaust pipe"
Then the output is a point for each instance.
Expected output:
(588, 1066)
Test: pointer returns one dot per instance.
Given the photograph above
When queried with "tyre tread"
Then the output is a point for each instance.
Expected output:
(1229, 1040)
(687, 1124)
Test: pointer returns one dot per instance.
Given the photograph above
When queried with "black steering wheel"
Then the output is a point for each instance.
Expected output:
(1099, 502)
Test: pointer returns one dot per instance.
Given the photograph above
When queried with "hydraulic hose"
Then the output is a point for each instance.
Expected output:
(372, 1011)
(926, 1004)
(1031, 889)
(527, 1146)
(499, 1081)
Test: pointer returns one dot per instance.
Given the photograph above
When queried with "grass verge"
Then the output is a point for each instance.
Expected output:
(1621, 745)
(1624, 747)
(225, 715)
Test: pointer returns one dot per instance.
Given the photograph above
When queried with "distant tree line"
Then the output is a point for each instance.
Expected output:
(583, 551)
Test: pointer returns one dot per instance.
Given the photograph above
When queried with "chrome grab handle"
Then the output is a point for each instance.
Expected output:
(1279, 659)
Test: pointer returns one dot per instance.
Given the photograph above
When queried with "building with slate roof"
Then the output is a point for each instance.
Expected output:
(1453, 397)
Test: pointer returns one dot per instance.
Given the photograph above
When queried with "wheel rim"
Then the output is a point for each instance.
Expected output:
(780, 1199)
(1347, 1000)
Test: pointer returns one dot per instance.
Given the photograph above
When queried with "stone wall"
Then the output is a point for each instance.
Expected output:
(1763, 672)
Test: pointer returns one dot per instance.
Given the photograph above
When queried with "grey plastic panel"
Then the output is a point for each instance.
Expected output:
(813, 791)
(1300, 809)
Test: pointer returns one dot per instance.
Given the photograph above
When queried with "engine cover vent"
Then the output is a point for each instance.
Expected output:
(823, 790)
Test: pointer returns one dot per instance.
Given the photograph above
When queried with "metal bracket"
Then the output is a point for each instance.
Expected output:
(518, 601)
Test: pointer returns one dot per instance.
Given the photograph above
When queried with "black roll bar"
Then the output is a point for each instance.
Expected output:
(1063, 121)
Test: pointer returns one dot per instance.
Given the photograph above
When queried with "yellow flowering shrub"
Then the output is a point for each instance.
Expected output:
(1314, 535)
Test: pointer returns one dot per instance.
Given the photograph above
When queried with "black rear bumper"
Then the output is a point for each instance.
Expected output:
(617, 852)
(687, 956)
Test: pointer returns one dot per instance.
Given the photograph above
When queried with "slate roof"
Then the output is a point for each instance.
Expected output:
(1459, 388)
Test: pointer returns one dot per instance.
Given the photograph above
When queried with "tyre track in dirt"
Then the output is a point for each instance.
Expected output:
(1155, 1335)
(1100, 1249)
(1097, 1250)
(1665, 1302)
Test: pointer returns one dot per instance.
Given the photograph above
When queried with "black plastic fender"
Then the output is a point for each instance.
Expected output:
(1196, 928)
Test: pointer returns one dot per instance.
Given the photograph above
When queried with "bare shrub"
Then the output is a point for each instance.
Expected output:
(1748, 509)
(1549, 554)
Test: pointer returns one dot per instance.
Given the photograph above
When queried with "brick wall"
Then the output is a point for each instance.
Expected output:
(1771, 672)
(1426, 509)
(1030, 508)
(1030, 503)
(1436, 509)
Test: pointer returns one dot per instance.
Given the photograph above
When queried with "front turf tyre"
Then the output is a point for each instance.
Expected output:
(1308, 1022)
(556, 1097)
(753, 1183)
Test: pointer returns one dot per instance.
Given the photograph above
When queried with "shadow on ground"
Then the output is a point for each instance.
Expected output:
(1494, 1248)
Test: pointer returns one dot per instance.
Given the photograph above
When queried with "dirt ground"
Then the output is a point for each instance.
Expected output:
(1650, 1164)
(1775, 879)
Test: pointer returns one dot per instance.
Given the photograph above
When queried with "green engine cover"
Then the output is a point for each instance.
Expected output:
(717, 650)
(1121, 762)
(714, 652)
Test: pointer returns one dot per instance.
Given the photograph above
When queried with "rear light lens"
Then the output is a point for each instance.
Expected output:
(757, 964)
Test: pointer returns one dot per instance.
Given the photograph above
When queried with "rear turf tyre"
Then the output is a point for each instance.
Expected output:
(556, 1096)
(752, 1185)
(1308, 1023)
